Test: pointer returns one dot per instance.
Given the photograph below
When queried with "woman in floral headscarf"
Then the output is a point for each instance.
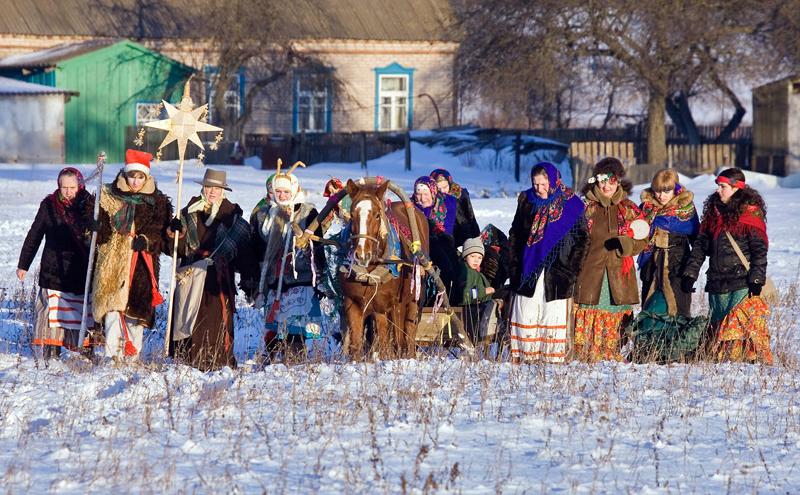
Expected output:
(607, 287)
(466, 227)
(440, 210)
(62, 221)
(548, 238)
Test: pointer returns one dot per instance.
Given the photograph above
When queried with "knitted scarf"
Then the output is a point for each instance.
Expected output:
(203, 204)
(553, 219)
(122, 220)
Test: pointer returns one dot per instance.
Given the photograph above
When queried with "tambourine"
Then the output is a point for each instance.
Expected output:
(640, 229)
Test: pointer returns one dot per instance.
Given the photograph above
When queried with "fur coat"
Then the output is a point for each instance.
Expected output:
(113, 288)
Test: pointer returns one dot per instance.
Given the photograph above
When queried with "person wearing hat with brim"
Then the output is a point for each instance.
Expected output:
(134, 216)
(213, 244)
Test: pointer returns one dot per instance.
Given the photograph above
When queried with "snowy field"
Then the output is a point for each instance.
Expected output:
(436, 425)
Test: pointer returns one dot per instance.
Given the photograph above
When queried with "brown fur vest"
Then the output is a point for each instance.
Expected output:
(113, 289)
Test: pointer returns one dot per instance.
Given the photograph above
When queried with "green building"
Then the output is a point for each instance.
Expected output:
(120, 84)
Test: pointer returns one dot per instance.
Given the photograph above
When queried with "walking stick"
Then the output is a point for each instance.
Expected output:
(168, 330)
(101, 163)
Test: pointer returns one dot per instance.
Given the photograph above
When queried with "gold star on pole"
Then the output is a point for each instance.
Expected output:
(183, 123)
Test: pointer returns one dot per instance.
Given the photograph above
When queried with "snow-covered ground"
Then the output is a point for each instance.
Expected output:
(433, 425)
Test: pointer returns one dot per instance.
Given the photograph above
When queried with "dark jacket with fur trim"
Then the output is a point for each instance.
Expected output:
(66, 250)
(668, 249)
(113, 289)
(608, 250)
(725, 271)
(466, 226)
(561, 275)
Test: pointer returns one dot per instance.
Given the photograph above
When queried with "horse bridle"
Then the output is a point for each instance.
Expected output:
(384, 221)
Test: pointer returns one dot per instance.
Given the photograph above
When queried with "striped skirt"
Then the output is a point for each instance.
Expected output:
(58, 318)
(539, 329)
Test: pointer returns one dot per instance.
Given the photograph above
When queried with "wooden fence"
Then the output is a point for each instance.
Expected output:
(689, 159)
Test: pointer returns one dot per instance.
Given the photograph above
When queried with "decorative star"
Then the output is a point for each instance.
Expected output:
(183, 123)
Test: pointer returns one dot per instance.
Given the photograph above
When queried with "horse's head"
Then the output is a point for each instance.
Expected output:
(367, 226)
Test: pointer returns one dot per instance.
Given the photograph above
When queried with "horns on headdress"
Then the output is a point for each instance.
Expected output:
(296, 164)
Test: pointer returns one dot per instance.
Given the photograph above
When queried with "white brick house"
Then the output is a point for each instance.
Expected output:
(383, 55)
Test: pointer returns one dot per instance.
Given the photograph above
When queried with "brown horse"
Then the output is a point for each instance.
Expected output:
(369, 289)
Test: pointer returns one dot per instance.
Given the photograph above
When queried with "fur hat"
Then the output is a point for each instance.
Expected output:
(471, 246)
(137, 161)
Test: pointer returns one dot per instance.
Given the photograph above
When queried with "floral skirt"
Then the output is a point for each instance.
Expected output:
(742, 335)
(598, 328)
(598, 333)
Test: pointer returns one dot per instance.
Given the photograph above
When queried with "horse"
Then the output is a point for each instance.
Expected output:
(369, 287)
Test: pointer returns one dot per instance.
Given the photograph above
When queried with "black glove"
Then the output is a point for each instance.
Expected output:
(754, 289)
(94, 225)
(139, 243)
(687, 284)
(613, 244)
(175, 224)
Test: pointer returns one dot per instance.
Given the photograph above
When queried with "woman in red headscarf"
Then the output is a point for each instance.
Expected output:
(62, 221)
(733, 231)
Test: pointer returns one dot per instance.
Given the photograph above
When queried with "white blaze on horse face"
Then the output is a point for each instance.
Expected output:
(364, 207)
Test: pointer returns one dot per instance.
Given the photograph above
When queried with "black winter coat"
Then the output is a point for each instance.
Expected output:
(725, 271)
(562, 273)
(65, 257)
(466, 226)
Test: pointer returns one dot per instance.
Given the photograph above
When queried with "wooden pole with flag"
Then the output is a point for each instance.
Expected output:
(182, 125)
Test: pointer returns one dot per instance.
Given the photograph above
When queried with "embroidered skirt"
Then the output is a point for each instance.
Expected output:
(538, 328)
(297, 313)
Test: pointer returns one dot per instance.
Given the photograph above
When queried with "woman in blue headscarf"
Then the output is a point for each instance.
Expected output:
(548, 239)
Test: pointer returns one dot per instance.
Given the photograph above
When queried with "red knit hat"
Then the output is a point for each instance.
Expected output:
(139, 161)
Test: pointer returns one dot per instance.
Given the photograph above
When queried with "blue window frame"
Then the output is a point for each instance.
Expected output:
(394, 97)
(312, 101)
(234, 96)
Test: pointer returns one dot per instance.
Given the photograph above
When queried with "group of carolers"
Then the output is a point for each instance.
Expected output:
(569, 260)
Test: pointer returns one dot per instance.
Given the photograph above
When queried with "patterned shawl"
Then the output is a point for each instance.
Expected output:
(678, 216)
(455, 189)
(442, 214)
(553, 218)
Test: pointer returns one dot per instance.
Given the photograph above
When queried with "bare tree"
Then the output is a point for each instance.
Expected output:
(671, 49)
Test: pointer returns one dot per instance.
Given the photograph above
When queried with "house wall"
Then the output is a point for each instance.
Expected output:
(776, 127)
(33, 129)
(111, 81)
(353, 64)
